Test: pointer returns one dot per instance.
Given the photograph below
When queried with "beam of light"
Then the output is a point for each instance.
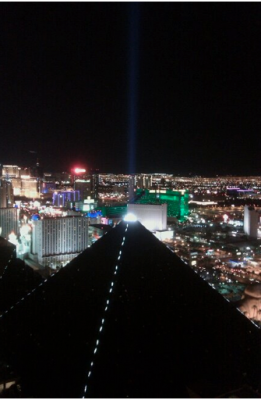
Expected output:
(134, 18)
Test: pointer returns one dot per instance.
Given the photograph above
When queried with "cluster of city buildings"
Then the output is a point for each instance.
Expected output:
(213, 224)
(53, 217)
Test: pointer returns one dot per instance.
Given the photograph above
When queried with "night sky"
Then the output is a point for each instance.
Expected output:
(78, 79)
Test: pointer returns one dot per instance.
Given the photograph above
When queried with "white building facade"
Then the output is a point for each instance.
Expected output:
(56, 241)
(8, 221)
(251, 219)
(152, 216)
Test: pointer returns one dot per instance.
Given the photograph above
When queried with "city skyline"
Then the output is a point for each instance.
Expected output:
(67, 89)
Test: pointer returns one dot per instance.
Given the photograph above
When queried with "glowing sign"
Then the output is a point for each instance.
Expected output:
(79, 170)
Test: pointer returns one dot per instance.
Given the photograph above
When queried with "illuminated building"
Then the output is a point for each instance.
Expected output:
(10, 171)
(176, 200)
(62, 197)
(144, 181)
(83, 185)
(235, 192)
(30, 187)
(26, 186)
(96, 231)
(48, 187)
(57, 241)
(6, 194)
(86, 205)
(152, 216)
(88, 185)
(115, 211)
(8, 221)
(251, 219)
(17, 186)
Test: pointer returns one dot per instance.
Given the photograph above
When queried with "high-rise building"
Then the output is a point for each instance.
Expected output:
(251, 219)
(62, 197)
(88, 185)
(56, 241)
(30, 187)
(83, 185)
(6, 194)
(27, 186)
(10, 171)
(144, 181)
(8, 221)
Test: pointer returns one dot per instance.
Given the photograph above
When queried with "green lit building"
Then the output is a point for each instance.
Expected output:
(177, 200)
(116, 211)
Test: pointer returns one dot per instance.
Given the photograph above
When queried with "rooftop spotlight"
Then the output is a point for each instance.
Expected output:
(130, 218)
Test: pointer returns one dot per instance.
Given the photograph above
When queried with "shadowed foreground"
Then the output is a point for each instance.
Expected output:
(150, 326)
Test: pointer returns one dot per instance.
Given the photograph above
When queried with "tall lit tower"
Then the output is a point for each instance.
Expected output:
(251, 219)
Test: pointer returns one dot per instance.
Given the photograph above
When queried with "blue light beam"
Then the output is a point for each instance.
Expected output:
(134, 19)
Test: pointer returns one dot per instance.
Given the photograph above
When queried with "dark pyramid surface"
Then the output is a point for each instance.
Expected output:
(150, 326)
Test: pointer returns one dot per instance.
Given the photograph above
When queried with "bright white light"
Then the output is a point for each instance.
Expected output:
(79, 170)
(225, 218)
(130, 218)
(25, 229)
(12, 238)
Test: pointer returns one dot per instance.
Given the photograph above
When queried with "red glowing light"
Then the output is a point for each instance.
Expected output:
(79, 170)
